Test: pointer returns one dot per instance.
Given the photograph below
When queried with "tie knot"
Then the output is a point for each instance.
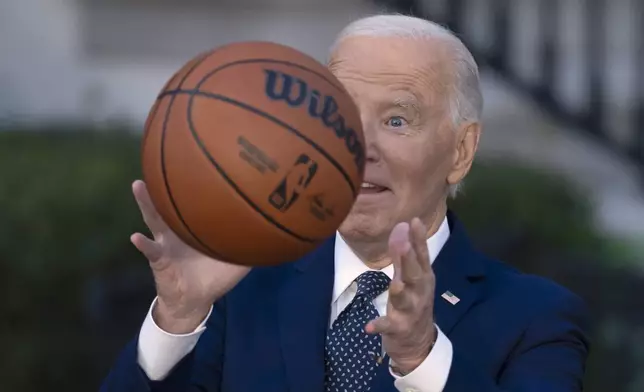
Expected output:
(371, 284)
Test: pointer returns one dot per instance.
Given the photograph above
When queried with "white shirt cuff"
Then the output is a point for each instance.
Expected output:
(159, 351)
(432, 374)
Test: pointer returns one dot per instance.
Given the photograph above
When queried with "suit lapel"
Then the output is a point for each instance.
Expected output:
(304, 310)
(459, 270)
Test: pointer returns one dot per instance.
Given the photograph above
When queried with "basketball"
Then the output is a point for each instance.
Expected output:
(253, 153)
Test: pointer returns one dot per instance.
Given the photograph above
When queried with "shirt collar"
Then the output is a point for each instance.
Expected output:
(348, 265)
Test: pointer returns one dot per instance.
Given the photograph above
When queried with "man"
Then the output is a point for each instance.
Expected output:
(399, 299)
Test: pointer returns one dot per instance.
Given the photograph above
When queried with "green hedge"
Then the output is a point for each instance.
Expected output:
(75, 290)
(534, 210)
(65, 219)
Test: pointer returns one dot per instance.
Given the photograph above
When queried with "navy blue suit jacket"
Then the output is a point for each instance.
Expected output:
(510, 331)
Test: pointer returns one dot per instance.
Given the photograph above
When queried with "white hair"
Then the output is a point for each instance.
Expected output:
(466, 99)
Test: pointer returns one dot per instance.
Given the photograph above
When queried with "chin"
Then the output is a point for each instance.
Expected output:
(359, 226)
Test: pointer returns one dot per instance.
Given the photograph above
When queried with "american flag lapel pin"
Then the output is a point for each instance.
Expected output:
(451, 298)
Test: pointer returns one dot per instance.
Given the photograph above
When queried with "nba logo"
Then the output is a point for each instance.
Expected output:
(294, 183)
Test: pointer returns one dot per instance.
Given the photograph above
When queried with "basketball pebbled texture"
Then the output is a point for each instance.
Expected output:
(253, 153)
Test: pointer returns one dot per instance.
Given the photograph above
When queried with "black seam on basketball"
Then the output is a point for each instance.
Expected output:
(234, 186)
(152, 116)
(163, 167)
(157, 104)
(279, 122)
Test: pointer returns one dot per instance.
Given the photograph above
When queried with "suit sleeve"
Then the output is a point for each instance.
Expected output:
(199, 371)
(550, 357)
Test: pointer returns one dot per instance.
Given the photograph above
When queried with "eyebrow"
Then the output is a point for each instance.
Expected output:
(405, 103)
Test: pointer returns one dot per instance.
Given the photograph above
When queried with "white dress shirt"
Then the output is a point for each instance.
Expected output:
(159, 351)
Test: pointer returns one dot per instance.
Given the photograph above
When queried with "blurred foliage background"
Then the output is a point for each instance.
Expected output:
(75, 290)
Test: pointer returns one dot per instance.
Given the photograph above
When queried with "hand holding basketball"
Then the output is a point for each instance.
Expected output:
(187, 282)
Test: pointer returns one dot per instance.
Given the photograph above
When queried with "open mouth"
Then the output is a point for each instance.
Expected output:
(369, 188)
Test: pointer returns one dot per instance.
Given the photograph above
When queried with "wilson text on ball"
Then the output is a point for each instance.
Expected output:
(281, 86)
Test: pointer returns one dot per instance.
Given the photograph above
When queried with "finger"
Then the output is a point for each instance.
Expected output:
(403, 255)
(381, 325)
(418, 239)
(150, 249)
(397, 286)
(395, 259)
(398, 244)
(150, 215)
(399, 297)
(399, 238)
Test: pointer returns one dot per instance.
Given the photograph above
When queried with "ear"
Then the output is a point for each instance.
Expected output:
(467, 142)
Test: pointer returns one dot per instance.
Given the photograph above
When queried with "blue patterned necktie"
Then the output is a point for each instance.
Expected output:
(351, 355)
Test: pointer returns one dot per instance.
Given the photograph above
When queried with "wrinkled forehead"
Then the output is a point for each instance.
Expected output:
(420, 65)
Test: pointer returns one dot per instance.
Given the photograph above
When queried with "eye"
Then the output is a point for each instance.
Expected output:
(396, 122)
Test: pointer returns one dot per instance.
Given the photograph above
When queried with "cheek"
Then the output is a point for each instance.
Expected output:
(415, 174)
(406, 165)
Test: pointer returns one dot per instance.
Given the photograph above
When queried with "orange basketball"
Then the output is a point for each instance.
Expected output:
(253, 153)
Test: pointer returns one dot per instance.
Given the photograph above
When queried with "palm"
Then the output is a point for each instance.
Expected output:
(191, 273)
(173, 248)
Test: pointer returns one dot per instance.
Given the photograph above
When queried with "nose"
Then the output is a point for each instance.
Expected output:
(370, 137)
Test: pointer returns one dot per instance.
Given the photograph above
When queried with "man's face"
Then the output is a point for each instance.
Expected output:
(401, 88)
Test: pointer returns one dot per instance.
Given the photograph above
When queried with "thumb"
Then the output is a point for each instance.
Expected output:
(150, 249)
(381, 325)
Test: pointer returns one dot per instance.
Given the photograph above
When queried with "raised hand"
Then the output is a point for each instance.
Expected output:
(408, 330)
